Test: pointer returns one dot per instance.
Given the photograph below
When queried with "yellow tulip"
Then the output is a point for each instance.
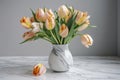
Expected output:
(28, 35)
(40, 15)
(81, 17)
(63, 11)
(63, 31)
(84, 26)
(86, 40)
(25, 21)
(50, 23)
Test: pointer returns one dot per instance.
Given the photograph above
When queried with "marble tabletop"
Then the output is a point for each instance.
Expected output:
(84, 68)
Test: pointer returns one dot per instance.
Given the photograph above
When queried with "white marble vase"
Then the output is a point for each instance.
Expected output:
(60, 58)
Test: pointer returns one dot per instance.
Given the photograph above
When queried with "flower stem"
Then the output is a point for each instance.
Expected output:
(48, 39)
(54, 37)
(61, 41)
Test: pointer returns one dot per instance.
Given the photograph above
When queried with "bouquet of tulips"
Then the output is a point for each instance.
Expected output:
(58, 27)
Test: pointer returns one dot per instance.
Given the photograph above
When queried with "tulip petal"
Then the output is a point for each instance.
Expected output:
(81, 17)
(50, 23)
(63, 31)
(39, 69)
(83, 27)
(63, 11)
(28, 35)
(40, 15)
(37, 26)
(86, 40)
(25, 21)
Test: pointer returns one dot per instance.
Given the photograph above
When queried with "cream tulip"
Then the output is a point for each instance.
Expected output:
(40, 15)
(63, 31)
(63, 11)
(36, 26)
(50, 23)
(25, 21)
(86, 40)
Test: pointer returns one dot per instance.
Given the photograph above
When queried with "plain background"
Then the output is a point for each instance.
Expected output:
(103, 15)
(119, 27)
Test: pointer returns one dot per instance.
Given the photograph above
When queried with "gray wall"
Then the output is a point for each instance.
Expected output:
(119, 27)
(103, 15)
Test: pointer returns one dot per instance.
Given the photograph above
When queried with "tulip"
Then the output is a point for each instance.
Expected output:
(49, 13)
(28, 35)
(39, 69)
(63, 11)
(86, 40)
(63, 31)
(37, 26)
(50, 23)
(25, 21)
(81, 17)
(40, 15)
(84, 26)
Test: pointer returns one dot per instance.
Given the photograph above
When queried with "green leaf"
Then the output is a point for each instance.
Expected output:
(27, 40)
(71, 21)
(34, 15)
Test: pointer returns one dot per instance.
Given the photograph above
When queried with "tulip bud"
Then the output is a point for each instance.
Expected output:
(63, 31)
(63, 11)
(39, 69)
(86, 40)
(25, 21)
(28, 35)
(40, 15)
(50, 23)
(36, 26)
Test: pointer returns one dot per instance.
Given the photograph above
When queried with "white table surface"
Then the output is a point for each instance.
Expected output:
(85, 68)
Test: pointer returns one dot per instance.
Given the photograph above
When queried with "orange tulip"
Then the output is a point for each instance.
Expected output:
(40, 15)
(81, 17)
(63, 31)
(28, 35)
(25, 21)
(39, 69)
(50, 23)
(86, 40)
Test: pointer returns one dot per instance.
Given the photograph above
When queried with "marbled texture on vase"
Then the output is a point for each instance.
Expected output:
(60, 58)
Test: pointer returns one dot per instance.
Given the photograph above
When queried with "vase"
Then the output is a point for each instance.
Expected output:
(60, 58)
